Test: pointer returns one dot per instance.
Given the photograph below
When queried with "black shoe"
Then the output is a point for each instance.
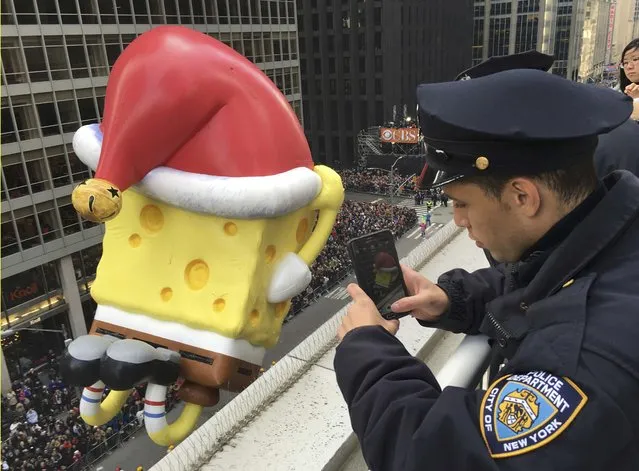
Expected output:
(126, 364)
(129, 362)
(80, 365)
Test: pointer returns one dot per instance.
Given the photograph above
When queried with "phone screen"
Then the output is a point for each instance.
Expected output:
(377, 270)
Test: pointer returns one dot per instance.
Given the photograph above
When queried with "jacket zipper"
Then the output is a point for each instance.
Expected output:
(503, 332)
(511, 285)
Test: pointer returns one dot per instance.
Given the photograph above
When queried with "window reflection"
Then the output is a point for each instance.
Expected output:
(70, 220)
(9, 240)
(32, 349)
(28, 232)
(47, 225)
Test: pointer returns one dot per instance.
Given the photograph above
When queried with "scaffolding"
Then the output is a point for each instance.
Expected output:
(371, 151)
(368, 143)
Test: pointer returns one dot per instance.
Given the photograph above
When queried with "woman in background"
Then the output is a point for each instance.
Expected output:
(629, 73)
(619, 149)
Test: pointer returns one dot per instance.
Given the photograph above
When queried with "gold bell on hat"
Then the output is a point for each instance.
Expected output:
(97, 200)
(482, 163)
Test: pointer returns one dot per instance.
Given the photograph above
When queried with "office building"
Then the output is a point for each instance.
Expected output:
(626, 27)
(55, 64)
(512, 26)
(594, 40)
(359, 59)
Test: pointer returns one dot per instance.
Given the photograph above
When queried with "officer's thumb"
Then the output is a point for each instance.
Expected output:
(356, 292)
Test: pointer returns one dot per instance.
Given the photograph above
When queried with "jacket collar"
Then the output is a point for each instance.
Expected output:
(599, 228)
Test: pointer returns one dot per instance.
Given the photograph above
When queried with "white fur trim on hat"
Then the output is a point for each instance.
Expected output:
(290, 278)
(241, 197)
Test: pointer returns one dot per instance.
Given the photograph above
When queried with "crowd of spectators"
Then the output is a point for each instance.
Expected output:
(42, 429)
(375, 181)
(354, 219)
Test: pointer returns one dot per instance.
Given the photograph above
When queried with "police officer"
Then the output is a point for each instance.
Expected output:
(616, 150)
(532, 59)
(514, 152)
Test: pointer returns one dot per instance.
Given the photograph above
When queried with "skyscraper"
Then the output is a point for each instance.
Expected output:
(626, 26)
(594, 41)
(359, 59)
(512, 26)
(56, 57)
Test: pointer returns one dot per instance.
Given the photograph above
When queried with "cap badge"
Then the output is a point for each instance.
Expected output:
(465, 77)
(482, 163)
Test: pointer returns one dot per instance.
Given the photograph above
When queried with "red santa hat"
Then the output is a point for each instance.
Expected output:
(191, 122)
(194, 124)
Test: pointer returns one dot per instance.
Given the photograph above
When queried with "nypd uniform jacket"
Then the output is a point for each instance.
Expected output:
(573, 368)
(567, 319)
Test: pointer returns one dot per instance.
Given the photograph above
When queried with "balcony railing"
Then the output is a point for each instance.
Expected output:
(465, 367)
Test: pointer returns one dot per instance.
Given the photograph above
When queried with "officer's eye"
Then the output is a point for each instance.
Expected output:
(458, 205)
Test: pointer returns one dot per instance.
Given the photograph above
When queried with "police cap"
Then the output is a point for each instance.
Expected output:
(520, 121)
(525, 60)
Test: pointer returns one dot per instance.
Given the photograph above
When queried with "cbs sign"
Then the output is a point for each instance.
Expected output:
(399, 135)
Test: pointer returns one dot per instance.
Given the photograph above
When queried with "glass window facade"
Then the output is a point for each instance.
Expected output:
(34, 166)
(527, 27)
(30, 294)
(28, 349)
(499, 36)
(511, 31)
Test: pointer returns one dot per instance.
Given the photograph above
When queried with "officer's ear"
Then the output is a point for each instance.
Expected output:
(523, 195)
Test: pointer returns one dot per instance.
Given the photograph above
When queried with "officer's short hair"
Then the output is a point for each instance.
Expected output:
(571, 184)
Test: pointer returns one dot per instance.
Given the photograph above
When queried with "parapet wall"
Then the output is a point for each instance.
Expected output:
(293, 417)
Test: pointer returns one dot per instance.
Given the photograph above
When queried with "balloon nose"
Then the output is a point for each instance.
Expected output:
(97, 200)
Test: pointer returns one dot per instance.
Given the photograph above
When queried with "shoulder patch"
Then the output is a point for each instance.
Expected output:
(523, 412)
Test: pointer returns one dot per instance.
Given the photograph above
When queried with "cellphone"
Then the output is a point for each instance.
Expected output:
(377, 269)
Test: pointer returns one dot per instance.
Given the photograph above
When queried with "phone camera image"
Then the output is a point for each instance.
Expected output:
(386, 271)
(378, 271)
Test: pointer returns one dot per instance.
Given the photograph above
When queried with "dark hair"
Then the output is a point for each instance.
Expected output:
(571, 184)
(623, 80)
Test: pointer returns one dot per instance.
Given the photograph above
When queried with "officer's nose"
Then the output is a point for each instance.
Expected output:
(460, 219)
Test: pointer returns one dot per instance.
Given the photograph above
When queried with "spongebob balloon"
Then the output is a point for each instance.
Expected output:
(214, 212)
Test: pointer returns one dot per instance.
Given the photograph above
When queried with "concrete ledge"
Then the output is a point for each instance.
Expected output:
(294, 416)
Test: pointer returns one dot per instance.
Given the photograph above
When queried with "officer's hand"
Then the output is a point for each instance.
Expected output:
(363, 312)
(427, 301)
(632, 90)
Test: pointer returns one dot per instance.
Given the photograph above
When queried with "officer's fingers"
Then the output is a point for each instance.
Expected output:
(407, 271)
(411, 303)
(412, 279)
(357, 293)
(415, 279)
(431, 300)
